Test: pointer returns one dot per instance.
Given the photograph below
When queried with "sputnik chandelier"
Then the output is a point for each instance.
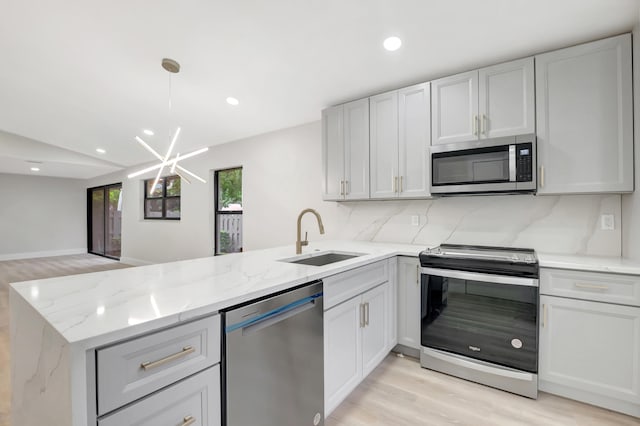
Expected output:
(172, 67)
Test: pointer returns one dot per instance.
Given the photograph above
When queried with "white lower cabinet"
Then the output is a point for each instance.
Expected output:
(590, 351)
(356, 340)
(409, 302)
(342, 351)
(194, 401)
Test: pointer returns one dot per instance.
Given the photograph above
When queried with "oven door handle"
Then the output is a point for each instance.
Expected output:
(475, 276)
(453, 359)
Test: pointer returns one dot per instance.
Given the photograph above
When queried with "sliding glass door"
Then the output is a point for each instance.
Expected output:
(104, 220)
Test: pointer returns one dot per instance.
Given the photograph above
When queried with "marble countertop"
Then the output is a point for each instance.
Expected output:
(98, 308)
(617, 265)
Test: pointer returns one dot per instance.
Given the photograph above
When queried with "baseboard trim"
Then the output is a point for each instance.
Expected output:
(48, 253)
(135, 262)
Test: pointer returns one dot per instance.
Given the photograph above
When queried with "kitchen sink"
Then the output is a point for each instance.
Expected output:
(321, 259)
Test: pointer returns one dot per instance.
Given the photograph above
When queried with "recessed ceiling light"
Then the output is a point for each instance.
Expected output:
(100, 151)
(232, 101)
(35, 169)
(392, 43)
(148, 132)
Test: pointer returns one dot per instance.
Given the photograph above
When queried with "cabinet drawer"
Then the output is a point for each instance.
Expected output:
(194, 401)
(340, 287)
(599, 287)
(133, 369)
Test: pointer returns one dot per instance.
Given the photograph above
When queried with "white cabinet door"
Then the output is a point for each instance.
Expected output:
(342, 352)
(392, 305)
(584, 118)
(591, 347)
(409, 302)
(454, 108)
(374, 333)
(356, 146)
(414, 112)
(384, 145)
(506, 96)
(332, 153)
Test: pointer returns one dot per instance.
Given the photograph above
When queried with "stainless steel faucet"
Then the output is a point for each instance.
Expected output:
(299, 242)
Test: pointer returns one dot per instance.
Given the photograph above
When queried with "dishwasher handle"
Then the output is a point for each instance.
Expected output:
(274, 316)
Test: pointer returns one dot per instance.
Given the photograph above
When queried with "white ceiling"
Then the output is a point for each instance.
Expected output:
(83, 74)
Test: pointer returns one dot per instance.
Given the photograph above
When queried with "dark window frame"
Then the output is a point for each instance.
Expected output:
(105, 188)
(217, 211)
(163, 198)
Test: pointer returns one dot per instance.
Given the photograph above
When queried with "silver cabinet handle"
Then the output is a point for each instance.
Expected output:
(401, 186)
(544, 315)
(541, 176)
(591, 286)
(347, 187)
(341, 187)
(366, 318)
(394, 184)
(152, 364)
(474, 123)
(362, 315)
(483, 125)
(189, 420)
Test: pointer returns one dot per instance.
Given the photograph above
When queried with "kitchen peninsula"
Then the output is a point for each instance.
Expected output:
(70, 319)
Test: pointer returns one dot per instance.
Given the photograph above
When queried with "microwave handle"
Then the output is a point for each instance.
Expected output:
(512, 163)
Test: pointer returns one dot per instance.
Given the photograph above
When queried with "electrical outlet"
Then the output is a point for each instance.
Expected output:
(415, 220)
(607, 222)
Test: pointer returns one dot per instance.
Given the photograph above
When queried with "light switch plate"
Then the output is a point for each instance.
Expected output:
(415, 220)
(607, 222)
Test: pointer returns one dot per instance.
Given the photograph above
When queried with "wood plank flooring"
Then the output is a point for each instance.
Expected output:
(397, 393)
(12, 271)
(401, 393)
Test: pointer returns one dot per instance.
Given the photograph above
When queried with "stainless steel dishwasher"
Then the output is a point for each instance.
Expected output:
(274, 360)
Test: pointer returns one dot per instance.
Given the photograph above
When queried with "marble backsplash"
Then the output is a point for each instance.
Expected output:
(568, 224)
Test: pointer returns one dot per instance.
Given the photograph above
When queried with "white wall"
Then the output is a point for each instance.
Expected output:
(41, 216)
(282, 176)
(631, 202)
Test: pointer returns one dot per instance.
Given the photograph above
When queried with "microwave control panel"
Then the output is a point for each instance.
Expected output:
(524, 162)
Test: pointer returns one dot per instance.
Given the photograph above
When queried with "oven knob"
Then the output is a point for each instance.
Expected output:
(516, 343)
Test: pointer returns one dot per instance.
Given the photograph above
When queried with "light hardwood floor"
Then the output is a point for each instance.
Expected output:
(397, 393)
(30, 269)
(400, 393)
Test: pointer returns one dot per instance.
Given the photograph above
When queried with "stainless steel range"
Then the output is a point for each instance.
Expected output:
(479, 318)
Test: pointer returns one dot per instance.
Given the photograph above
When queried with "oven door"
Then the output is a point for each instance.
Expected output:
(492, 318)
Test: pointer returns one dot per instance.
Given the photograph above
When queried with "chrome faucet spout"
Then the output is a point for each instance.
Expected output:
(299, 242)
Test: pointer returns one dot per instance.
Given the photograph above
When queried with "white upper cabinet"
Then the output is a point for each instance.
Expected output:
(506, 96)
(454, 109)
(400, 131)
(356, 148)
(332, 153)
(490, 102)
(345, 151)
(584, 118)
(414, 141)
(384, 145)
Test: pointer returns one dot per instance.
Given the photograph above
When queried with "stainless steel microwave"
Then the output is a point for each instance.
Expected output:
(506, 164)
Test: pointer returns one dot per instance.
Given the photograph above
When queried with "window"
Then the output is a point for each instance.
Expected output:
(163, 201)
(228, 196)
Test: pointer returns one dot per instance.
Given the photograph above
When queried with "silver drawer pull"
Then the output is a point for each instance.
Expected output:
(591, 286)
(152, 364)
(189, 420)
